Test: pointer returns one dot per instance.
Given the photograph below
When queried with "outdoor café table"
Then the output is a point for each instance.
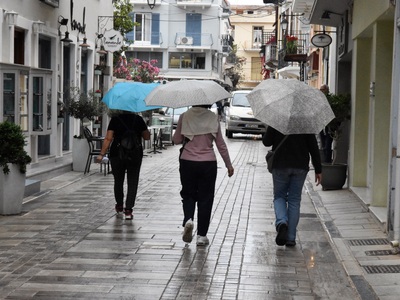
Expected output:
(155, 128)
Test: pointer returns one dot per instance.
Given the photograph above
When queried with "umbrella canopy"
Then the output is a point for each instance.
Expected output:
(290, 106)
(129, 96)
(186, 93)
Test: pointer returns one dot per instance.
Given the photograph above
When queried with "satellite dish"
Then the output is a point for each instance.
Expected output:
(321, 40)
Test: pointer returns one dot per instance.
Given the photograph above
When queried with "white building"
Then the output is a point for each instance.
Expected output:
(40, 58)
(188, 38)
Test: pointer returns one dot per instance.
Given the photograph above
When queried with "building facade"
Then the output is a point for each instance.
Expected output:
(250, 23)
(48, 46)
(189, 39)
(367, 65)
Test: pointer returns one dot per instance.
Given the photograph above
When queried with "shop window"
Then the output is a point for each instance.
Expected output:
(147, 56)
(9, 97)
(182, 60)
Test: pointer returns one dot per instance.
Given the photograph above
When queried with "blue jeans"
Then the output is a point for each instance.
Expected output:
(288, 186)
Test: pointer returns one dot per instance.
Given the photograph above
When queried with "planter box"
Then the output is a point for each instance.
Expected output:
(80, 151)
(333, 176)
(12, 189)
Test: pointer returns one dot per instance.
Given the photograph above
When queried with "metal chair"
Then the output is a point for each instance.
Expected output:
(93, 151)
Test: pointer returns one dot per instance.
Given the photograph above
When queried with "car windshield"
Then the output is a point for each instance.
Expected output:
(240, 99)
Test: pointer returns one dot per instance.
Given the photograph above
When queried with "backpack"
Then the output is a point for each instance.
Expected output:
(130, 147)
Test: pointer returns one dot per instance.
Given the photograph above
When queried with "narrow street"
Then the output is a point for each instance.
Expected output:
(69, 244)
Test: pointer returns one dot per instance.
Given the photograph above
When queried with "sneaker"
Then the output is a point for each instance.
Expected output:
(128, 214)
(282, 233)
(202, 240)
(290, 243)
(187, 235)
(119, 209)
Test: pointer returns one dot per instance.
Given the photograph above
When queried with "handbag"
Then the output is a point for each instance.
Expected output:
(270, 155)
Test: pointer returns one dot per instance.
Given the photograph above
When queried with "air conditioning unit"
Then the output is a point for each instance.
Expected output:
(186, 40)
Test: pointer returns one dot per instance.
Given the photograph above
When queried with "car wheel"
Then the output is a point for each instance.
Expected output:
(229, 134)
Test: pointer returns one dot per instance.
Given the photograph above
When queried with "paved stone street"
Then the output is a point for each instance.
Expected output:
(69, 244)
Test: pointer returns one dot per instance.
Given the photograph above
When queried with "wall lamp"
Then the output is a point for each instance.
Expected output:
(102, 52)
(11, 17)
(284, 21)
(64, 22)
(84, 45)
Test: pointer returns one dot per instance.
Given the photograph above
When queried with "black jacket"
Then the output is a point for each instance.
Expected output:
(295, 151)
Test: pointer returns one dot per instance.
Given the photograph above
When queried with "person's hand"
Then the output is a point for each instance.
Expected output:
(318, 178)
(230, 171)
(99, 158)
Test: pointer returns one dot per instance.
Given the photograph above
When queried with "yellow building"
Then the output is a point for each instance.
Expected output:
(249, 23)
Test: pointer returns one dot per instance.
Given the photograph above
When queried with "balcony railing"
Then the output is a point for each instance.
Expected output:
(157, 2)
(153, 41)
(183, 39)
(198, 3)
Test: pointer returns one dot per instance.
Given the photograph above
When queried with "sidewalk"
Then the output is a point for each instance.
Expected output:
(68, 243)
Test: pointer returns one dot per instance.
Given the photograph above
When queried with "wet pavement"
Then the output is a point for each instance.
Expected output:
(69, 244)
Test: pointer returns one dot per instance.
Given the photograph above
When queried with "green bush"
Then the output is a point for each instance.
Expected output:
(12, 142)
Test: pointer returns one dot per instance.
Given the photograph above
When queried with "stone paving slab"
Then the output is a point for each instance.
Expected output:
(69, 244)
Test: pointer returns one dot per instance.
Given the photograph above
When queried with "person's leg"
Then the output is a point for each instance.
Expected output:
(281, 180)
(297, 178)
(133, 171)
(119, 177)
(188, 175)
(205, 196)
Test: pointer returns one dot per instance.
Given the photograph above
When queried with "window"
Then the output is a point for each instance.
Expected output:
(147, 30)
(147, 56)
(184, 60)
(44, 52)
(9, 97)
(257, 36)
(41, 102)
(19, 46)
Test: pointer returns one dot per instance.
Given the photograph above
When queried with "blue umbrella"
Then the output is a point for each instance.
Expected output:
(129, 96)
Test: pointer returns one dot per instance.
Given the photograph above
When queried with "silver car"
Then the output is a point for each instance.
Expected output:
(239, 116)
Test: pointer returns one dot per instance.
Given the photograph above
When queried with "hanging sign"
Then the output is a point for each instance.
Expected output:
(321, 40)
(112, 40)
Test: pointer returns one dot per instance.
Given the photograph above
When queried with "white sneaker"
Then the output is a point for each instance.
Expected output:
(202, 240)
(187, 235)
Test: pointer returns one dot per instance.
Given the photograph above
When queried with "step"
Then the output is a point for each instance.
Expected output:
(32, 186)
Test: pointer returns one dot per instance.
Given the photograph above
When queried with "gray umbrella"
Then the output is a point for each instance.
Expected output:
(186, 93)
(290, 106)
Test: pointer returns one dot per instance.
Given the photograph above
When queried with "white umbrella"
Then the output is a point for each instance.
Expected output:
(290, 106)
(187, 93)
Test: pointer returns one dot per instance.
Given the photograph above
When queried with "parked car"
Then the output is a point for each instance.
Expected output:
(239, 116)
(175, 113)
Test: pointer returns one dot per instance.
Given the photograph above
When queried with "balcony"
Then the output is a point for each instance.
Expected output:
(155, 40)
(185, 40)
(194, 3)
(157, 2)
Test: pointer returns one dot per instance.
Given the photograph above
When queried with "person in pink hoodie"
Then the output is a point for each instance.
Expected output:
(197, 130)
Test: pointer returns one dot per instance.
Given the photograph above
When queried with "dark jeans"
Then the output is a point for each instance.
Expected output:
(198, 186)
(119, 168)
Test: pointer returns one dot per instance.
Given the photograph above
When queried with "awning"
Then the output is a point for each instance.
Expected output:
(290, 72)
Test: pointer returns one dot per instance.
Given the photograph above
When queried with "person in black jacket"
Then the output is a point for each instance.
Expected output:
(116, 129)
(289, 171)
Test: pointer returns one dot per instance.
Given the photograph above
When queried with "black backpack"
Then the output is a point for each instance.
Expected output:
(130, 147)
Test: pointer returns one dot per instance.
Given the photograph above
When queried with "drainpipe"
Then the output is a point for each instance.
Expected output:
(394, 188)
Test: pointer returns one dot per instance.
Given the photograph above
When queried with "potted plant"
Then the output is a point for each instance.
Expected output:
(291, 44)
(85, 107)
(13, 162)
(334, 174)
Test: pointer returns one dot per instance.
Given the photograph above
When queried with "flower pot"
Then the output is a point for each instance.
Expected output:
(96, 125)
(333, 176)
(80, 151)
(97, 72)
(97, 95)
(12, 188)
